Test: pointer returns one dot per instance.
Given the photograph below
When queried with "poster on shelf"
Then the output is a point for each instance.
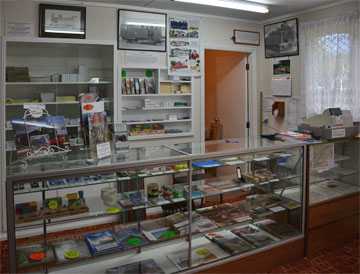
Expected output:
(184, 46)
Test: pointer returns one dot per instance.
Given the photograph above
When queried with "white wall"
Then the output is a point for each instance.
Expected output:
(101, 24)
(296, 60)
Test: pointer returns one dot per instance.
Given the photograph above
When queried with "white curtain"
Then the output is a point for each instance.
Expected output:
(330, 57)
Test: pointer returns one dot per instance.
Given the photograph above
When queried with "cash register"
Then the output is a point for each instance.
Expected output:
(334, 123)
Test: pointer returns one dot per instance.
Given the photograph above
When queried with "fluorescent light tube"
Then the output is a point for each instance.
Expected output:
(230, 4)
(145, 24)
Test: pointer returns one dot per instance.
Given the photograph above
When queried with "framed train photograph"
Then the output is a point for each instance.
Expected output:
(141, 31)
(281, 39)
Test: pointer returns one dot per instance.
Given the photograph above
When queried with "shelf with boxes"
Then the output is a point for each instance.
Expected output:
(55, 74)
(154, 105)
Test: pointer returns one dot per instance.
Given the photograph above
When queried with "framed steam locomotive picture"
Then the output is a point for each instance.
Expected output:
(281, 39)
(141, 31)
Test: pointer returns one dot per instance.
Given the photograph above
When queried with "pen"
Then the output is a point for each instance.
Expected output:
(234, 142)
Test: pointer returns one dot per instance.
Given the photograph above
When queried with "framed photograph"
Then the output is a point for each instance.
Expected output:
(244, 37)
(281, 39)
(141, 31)
(58, 21)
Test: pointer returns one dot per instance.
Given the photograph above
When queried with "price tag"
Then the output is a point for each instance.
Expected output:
(103, 150)
(338, 133)
(239, 162)
(261, 159)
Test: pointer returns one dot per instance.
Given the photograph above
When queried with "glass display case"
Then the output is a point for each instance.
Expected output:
(333, 200)
(334, 170)
(166, 209)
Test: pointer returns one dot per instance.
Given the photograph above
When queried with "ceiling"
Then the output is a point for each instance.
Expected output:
(278, 8)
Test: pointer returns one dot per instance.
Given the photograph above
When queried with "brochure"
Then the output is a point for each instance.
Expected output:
(142, 267)
(199, 256)
(253, 235)
(102, 242)
(279, 230)
(129, 238)
(229, 241)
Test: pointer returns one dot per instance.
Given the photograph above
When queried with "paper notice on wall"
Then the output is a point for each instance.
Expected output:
(281, 85)
(293, 112)
(19, 28)
(141, 58)
(267, 103)
(184, 46)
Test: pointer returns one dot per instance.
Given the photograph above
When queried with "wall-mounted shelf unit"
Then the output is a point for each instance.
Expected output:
(150, 96)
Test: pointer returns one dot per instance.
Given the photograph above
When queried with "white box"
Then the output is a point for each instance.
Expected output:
(81, 77)
(172, 117)
(73, 78)
(65, 78)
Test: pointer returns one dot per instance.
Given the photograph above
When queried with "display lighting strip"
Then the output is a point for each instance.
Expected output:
(145, 24)
(230, 4)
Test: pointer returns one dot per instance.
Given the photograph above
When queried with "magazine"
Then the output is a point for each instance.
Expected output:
(42, 132)
(253, 235)
(279, 230)
(224, 184)
(97, 131)
(220, 219)
(229, 242)
(102, 242)
(142, 267)
(129, 238)
(236, 215)
(61, 248)
(153, 224)
(160, 234)
(199, 256)
(204, 224)
(23, 255)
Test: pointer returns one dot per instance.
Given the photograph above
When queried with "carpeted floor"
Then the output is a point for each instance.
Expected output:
(345, 259)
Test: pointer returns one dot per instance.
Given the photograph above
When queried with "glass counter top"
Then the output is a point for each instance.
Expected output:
(149, 155)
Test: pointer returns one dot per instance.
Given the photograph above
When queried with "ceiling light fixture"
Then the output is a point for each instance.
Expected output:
(230, 4)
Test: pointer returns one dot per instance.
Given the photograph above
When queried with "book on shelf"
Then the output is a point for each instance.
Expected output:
(132, 86)
(136, 85)
(223, 184)
(206, 164)
(123, 86)
(199, 255)
(142, 267)
(102, 242)
(149, 86)
(153, 224)
(253, 235)
(279, 230)
(229, 242)
(128, 86)
(129, 238)
(142, 86)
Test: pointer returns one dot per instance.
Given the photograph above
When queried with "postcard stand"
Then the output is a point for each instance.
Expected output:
(44, 151)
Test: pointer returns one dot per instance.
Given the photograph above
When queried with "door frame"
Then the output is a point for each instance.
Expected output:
(252, 62)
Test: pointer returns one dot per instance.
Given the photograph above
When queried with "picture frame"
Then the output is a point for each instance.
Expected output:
(281, 39)
(245, 37)
(142, 31)
(58, 21)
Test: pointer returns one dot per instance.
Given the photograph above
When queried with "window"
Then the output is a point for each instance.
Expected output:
(330, 64)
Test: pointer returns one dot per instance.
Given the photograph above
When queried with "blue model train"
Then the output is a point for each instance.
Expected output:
(179, 24)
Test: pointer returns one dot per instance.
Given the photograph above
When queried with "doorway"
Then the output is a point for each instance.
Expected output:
(225, 93)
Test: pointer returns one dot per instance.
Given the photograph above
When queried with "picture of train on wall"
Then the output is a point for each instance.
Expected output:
(281, 39)
(142, 31)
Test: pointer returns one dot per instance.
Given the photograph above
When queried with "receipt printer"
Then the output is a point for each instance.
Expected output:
(334, 123)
